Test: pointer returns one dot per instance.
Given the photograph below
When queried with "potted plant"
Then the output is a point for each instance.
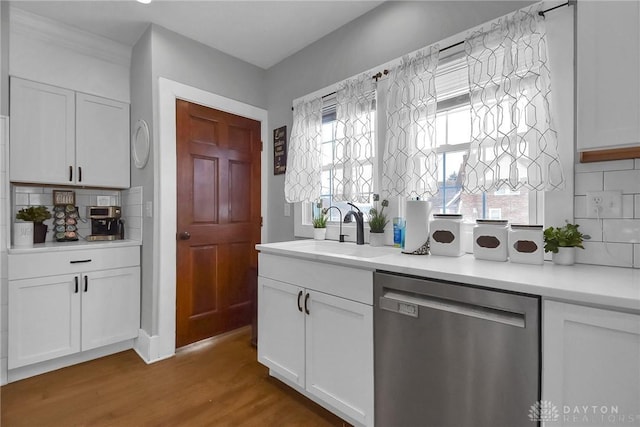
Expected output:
(36, 214)
(377, 222)
(320, 225)
(562, 242)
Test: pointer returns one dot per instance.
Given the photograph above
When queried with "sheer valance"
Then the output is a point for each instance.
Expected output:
(410, 166)
(354, 146)
(513, 142)
(304, 166)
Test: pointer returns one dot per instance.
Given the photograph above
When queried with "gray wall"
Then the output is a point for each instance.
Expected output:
(163, 53)
(387, 32)
(142, 102)
(4, 58)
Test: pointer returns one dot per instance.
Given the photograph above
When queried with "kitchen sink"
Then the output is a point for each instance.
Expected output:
(348, 249)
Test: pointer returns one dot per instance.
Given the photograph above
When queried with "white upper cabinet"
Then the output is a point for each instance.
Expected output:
(102, 142)
(62, 137)
(607, 74)
(42, 143)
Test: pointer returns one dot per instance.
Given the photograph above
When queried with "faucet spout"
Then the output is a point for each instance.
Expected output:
(339, 213)
(359, 217)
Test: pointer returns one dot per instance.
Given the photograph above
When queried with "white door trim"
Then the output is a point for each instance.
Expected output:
(165, 209)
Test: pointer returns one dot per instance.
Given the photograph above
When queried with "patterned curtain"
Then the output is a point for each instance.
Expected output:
(354, 146)
(304, 167)
(513, 143)
(410, 165)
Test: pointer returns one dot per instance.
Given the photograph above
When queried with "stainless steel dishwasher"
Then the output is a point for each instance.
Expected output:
(450, 355)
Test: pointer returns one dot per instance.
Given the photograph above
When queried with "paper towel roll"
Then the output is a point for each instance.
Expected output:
(416, 231)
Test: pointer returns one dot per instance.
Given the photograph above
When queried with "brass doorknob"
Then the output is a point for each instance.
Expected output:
(185, 235)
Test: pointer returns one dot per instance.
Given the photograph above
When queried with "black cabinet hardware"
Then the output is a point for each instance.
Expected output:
(70, 173)
(299, 302)
(76, 291)
(306, 303)
(79, 173)
(79, 261)
(86, 283)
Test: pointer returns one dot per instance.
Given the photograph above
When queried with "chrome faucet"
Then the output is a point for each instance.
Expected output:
(359, 223)
(340, 213)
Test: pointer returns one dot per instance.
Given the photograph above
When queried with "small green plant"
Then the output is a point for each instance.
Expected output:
(37, 214)
(378, 219)
(321, 221)
(562, 237)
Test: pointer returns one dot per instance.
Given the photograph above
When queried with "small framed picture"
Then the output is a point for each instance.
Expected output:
(280, 150)
(64, 197)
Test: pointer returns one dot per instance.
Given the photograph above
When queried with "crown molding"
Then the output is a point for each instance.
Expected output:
(47, 30)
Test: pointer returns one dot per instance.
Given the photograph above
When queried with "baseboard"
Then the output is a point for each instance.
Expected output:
(147, 347)
(62, 362)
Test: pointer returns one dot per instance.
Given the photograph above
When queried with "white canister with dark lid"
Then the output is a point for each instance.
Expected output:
(526, 244)
(445, 235)
(490, 239)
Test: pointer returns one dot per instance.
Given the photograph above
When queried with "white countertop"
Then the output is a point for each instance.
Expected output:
(71, 246)
(613, 287)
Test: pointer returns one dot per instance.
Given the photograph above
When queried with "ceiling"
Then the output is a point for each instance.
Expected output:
(262, 33)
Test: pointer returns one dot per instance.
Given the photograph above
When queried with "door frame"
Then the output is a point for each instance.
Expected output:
(165, 208)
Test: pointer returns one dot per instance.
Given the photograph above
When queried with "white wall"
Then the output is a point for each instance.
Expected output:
(387, 32)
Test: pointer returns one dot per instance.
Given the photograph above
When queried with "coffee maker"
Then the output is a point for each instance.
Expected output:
(105, 223)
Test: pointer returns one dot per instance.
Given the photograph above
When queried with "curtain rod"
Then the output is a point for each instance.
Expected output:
(568, 3)
(379, 74)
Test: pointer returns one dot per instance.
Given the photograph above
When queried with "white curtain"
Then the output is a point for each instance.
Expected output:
(354, 147)
(410, 164)
(513, 143)
(304, 167)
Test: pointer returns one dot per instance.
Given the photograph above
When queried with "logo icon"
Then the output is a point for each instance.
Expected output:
(544, 410)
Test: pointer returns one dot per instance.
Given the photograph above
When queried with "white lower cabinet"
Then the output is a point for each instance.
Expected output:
(320, 343)
(591, 365)
(58, 315)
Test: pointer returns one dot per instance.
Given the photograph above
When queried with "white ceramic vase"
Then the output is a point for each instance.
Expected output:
(376, 239)
(319, 233)
(23, 234)
(565, 256)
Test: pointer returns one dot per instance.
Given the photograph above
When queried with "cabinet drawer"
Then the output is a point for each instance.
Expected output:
(23, 266)
(344, 282)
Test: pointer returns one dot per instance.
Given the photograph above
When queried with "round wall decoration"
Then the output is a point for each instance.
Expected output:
(140, 144)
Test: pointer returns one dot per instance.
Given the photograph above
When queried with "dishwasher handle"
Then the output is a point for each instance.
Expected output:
(408, 304)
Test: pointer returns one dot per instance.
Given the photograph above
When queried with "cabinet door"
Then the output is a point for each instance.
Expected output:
(110, 306)
(607, 74)
(102, 142)
(591, 358)
(42, 131)
(44, 319)
(339, 354)
(281, 328)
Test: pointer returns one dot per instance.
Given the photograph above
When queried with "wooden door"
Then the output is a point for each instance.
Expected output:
(218, 226)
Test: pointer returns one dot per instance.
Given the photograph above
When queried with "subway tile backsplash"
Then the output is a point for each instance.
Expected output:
(33, 195)
(614, 242)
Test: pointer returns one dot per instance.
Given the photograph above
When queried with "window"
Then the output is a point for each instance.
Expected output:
(520, 206)
(330, 152)
(453, 131)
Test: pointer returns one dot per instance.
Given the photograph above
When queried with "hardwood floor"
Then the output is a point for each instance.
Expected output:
(214, 383)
